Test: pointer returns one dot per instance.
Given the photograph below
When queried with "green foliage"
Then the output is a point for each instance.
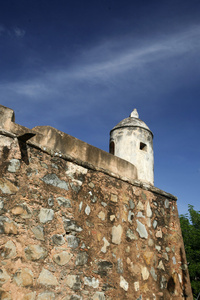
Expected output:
(190, 226)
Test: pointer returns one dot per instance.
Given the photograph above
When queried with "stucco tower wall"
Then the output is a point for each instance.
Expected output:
(128, 142)
(132, 140)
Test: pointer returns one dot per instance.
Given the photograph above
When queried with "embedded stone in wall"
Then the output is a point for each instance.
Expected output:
(7, 187)
(80, 206)
(145, 273)
(91, 185)
(163, 283)
(112, 217)
(22, 210)
(159, 233)
(62, 258)
(38, 232)
(153, 273)
(10, 228)
(93, 282)
(165, 256)
(106, 244)
(114, 198)
(155, 224)
(5, 295)
(1, 203)
(123, 283)
(76, 185)
(148, 256)
(116, 234)
(101, 215)
(131, 204)
(35, 252)
(130, 235)
(94, 199)
(47, 278)
(46, 296)
(166, 203)
(46, 215)
(23, 277)
(50, 201)
(14, 165)
(103, 267)
(7, 226)
(120, 266)
(58, 239)
(99, 296)
(73, 169)
(140, 206)
(71, 226)
(136, 286)
(150, 242)
(174, 260)
(87, 210)
(9, 250)
(161, 266)
(74, 282)
(72, 241)
(158, 248)
(64, 202)
(148, 222)
(81, 259)
(130, 216)
(52, 179)
(4, 277)
(141, 229)
(133, 268)
(140, 215)
(148, 211)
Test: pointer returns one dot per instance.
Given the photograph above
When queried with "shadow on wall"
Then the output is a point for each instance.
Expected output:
(184, 273)
(22, 139)
(174, 279)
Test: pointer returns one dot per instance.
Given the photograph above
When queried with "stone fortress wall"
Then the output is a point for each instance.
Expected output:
(75, 223)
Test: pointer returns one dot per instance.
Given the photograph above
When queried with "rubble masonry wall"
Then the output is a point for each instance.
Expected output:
(73, 232)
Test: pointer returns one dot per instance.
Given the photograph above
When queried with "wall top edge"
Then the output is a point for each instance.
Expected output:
(57, 143)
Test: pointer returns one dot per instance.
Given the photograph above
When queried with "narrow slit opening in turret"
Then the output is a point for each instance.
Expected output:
(112, 148)
(143, 147)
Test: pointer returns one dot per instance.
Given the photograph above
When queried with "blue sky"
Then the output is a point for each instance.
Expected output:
(83, 66)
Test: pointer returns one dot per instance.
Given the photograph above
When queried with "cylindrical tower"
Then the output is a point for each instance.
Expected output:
(132, 140)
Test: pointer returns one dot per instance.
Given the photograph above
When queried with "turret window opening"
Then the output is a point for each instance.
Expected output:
(143, 147)
(112, 148)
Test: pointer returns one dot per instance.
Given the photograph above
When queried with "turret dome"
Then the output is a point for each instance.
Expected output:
(132, 121)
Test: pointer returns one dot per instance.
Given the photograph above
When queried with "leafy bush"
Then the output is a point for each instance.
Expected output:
(190, 226)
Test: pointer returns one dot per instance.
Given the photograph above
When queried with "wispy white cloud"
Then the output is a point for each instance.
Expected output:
(122, 58)
(30, 89)
(18, 32)
(102, 69)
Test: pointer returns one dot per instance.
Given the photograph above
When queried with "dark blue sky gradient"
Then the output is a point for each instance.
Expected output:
(83, 66)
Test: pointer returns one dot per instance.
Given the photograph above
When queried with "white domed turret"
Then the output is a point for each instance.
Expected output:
(132, 140)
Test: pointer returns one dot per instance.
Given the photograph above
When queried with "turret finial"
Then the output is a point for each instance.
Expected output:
(134, 114)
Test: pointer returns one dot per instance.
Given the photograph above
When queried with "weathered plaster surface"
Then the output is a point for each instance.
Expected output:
(127, 146)
(132, 140)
